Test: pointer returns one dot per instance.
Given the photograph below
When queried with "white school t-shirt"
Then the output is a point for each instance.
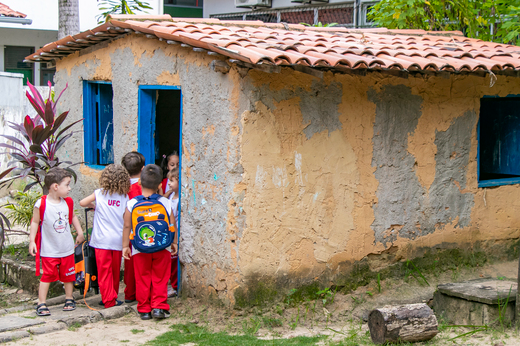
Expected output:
(165, 201)
(57, 241)
(175, 208)
(107, 232)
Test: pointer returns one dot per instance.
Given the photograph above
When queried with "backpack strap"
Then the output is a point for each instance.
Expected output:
(38, 240)
(70, 204)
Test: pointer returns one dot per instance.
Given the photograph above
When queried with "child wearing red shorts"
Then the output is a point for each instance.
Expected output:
(134, 163)
(57, 244)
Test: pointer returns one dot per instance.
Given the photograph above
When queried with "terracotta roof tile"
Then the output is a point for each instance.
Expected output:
(6, 11)
(333, 48)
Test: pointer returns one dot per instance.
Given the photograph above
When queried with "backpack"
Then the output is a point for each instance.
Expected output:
(151, 227)
(38, 240)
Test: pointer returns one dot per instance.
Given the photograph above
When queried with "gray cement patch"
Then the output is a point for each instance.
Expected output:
(15, 322)
(404, 206)
(487, 291)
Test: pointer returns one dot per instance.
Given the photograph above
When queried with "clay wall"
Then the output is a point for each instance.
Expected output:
(290, 176)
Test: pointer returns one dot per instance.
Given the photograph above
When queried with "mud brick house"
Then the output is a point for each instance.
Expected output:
(304, 151)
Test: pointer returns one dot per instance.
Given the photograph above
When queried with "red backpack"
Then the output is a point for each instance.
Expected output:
(70, 204)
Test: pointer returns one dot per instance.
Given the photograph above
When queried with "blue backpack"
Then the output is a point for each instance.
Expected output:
(151, 227)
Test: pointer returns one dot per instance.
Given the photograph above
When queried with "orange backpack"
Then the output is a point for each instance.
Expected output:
(151, 227)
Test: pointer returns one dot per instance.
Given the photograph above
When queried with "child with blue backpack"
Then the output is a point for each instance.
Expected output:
(150, 226)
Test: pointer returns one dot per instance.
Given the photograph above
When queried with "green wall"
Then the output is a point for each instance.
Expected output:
(183, 12)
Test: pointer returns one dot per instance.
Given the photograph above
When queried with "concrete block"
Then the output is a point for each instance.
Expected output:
(23, 276)
(47, 328)
(10, 336)
(114, 312)
(476, 302)
(15, 322)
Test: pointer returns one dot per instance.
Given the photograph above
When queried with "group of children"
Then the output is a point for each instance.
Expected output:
(146, 275)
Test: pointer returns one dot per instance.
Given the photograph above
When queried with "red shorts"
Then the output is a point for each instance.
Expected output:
(61, 269)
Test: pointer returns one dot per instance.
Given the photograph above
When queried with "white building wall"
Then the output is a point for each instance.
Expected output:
(228, 6)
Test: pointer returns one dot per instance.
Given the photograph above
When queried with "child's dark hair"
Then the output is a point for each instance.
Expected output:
(56, 175)
(115, 179)
(173, 174)
(133, 162)
(166, 158)
(151, 177)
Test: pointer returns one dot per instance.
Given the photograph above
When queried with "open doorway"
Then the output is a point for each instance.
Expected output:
(159, 133)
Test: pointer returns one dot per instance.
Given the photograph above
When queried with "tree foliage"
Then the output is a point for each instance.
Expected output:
(489, 20)
(121, 7)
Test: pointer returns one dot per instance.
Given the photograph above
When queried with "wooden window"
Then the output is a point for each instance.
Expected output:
(499, 141)
(98, 123)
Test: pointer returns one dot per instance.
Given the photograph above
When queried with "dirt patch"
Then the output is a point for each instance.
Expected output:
(340, 318)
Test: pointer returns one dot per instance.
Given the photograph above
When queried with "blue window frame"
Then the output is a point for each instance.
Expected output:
(98, 123)
(499, 141)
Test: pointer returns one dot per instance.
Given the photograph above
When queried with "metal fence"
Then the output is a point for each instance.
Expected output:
(349, 15)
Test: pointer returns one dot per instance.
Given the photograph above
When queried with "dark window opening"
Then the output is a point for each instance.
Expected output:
(14, 62)
(499, 141)
(185, 3)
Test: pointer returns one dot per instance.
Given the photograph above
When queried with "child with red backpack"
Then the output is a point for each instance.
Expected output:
(149, 226)
(51, 238)
(107, 231)
(134, 163)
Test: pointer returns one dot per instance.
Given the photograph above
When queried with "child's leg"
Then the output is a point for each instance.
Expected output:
(173, 276)
(69, 287)
(116, 269)
(129, 279)
(105, 277)
(161, 269)
(42, 292)
(143, 280)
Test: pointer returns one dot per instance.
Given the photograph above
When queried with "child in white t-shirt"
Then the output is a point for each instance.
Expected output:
(173, 185)
(107, 232)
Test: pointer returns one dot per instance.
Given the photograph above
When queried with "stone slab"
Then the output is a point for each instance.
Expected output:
(487, 291)
(16, 322)
(10, 336)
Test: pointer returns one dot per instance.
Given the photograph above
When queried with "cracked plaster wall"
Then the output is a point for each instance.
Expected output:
(288, 176)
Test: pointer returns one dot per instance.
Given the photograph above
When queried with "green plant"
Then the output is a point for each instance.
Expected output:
(136, 331)
(120, 7)
(412, 270)
(37, 152)
(270, 322)
(320, 25)
(502, 306)
(20, 212)
(74, 326)
(379, 282)
(251, 326)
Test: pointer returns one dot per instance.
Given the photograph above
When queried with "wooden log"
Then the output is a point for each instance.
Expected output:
(402, 323)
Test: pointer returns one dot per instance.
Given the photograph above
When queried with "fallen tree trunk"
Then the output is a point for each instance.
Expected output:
(403, 323)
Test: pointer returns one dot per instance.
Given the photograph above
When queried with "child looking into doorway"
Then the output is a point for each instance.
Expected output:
(107, 232)
(168, 163)
(173, 184)
(134, 163)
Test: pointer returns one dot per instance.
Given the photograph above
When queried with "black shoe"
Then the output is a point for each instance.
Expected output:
(160, 313)
(118, 303)
(145, 315)
(128, 301)
(101, 303)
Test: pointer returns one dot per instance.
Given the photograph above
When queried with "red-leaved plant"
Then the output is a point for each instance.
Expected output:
(38, 153)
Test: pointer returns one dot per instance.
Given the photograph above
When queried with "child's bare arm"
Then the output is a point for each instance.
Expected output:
(35, 223)
(127, 227)
(88, 202)
(75, 222)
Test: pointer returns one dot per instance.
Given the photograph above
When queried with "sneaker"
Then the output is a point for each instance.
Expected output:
(171, 292)
(128, 301)
(160, 313)
(145, 315)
